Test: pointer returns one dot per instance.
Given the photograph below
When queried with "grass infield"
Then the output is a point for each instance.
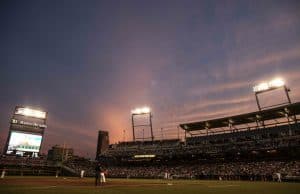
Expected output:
(71, 185)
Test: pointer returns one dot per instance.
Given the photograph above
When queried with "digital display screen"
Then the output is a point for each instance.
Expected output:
(25, 142)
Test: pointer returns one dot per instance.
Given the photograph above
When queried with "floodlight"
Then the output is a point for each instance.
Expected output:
(277, 82)
(135, 111)
(30, 112)
(261, 87)
(273, 84)
(143, 110)
(146, 110)
(269, 86)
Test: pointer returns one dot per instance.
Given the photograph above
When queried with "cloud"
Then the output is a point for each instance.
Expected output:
(267, 61)
(218, 87)
(210, 106)
(212, 114)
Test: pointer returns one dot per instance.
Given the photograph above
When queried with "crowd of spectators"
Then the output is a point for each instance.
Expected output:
(79, 164)
(264, 170)
(6, 160)
(17, 165)
(259, 170)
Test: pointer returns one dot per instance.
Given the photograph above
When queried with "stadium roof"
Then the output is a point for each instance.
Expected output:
(263, 115)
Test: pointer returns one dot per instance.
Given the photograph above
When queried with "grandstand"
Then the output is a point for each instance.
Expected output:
(272, 130)
(251, 146)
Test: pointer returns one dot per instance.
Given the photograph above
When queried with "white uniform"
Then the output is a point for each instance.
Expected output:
(3, 174)
(102, 177)
(82, 174)
(278, 177)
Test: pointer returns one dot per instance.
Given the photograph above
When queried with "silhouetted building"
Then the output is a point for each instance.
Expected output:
(103, 143)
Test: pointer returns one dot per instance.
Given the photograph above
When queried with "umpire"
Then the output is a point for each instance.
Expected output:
(97, 174)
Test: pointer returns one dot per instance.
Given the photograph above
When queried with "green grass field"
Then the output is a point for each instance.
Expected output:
(47, 185)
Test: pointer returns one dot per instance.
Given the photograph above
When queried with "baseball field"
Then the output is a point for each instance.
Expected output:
(49, 185)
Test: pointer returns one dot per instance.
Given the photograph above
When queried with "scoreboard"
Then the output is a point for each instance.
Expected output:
(26, 131)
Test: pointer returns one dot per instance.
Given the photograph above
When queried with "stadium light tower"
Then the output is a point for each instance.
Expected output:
(274, 84)
(138, 112)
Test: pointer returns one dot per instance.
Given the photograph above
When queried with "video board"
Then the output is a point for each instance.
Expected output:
(23, 142)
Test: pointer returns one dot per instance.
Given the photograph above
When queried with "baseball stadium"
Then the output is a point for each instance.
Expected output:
(150, 96)
(251, 152)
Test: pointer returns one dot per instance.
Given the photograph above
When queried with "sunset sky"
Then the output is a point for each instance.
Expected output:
(89, 63)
